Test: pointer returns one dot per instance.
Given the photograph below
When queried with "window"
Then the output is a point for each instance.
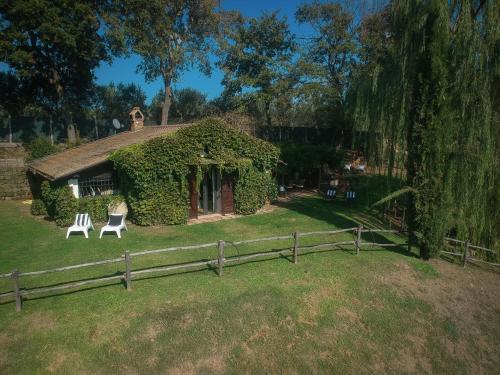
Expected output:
(104, 184)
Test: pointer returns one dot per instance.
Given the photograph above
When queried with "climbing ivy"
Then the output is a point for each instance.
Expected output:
(154, 175)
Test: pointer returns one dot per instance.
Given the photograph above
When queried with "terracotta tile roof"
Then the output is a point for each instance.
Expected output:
(73, 160)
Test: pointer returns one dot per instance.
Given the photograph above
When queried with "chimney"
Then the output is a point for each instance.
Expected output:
(136, 119)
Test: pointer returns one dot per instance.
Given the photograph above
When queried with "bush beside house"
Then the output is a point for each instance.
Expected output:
(60, 205)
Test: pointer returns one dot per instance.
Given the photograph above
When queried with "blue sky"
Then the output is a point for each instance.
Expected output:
(124, 70)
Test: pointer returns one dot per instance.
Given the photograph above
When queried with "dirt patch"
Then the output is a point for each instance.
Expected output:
(413, 358)
(348, 314)
(60, 358)
(5, 341)
(104, 332)
(214, 363)
(466, 298)
(41, 322)
(152, 331)
(186, 321)
(313, 302)
(261, 334)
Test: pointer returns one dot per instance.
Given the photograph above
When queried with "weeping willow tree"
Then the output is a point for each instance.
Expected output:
(430, 106)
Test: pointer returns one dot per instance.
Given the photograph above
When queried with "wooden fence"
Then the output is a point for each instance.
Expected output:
(467, 254)
(295, 250)
(219, 262)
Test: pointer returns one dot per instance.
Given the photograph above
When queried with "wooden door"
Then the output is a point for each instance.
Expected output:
(227, 204)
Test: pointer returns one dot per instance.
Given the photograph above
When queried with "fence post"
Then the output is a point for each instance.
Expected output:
(295, 247)
(358, 239)
(17, 290)
(410, 238)
(128, 271)
(466, 253)
(220, 246)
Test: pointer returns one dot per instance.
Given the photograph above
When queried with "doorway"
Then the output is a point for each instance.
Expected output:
(209, 197)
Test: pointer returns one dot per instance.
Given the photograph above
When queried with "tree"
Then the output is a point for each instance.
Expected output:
(115, 101)
(55, 46)
(187, 104)
(14, 96)
(256, 56)
(329, 54)
(326, 62)
(433, 97)
(169, 36)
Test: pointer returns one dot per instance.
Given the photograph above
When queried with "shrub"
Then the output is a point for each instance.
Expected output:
(66, 207)
(49, 195)
(38, 207)
(97, 207)
(62, 206)
(40, 147)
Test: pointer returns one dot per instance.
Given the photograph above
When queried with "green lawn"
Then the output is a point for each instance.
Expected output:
(334, 312)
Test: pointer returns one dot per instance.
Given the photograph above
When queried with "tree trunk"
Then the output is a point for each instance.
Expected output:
(9, 120)
(168, 100)
(267, 113)
(95, 128)
(51, 131)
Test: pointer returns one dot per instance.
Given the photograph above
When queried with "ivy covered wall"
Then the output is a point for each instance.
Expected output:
(154, 175)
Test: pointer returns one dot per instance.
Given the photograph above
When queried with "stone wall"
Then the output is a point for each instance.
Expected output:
(13, 172)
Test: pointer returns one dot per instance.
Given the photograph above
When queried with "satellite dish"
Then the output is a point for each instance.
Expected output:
(116, 124)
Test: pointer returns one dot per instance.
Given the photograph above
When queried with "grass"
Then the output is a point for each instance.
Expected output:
(332, 312)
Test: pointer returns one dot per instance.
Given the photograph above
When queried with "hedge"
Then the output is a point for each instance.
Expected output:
(60, 204)
(154, 175)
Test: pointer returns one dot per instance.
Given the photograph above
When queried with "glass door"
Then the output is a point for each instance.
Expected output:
(209, 193)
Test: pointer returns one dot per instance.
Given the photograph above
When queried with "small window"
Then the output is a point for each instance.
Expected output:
(104, 184)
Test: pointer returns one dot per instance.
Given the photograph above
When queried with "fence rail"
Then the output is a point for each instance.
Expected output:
(466, 254)
(294, 250)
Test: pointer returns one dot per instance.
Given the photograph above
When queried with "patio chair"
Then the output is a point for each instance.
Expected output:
(330, 193)
(361, 168)
(350, 195)
(82, 224)
(115, 224)
(282, 190)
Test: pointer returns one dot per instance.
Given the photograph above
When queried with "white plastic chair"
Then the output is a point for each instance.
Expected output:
(82, 224)
(361, 168)
(115, 224)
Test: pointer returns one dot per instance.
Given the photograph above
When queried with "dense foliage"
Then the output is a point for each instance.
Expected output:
(300, 157)
(52, 46)
(59, 204)
(38, 207)
(40, 147)
(154, 175)
(255, 56)
(429, 102)
(187, 104)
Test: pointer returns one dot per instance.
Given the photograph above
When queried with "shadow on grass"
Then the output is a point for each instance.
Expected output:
(338, 214)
